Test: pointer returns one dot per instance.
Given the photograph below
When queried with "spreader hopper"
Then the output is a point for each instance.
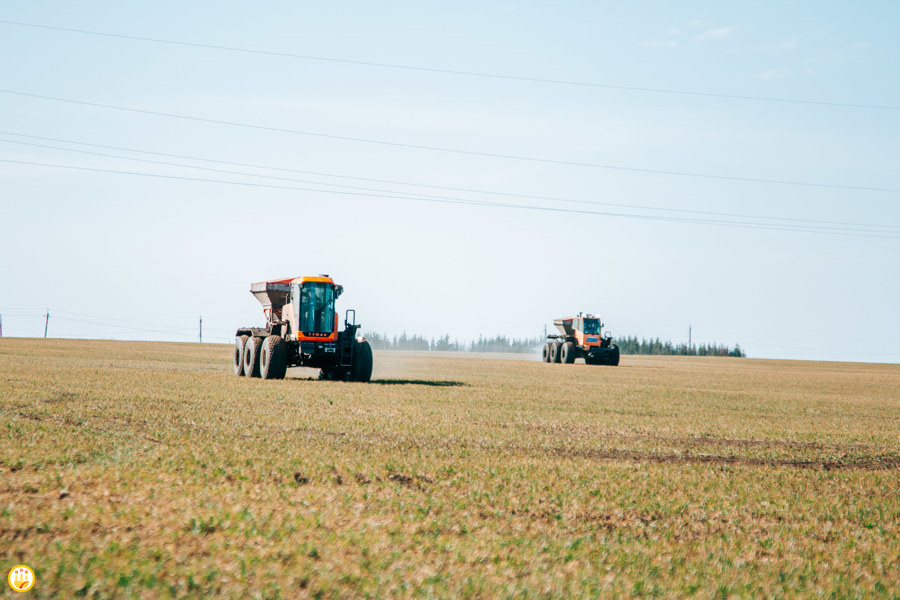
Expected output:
(564, 326)
(272, 294)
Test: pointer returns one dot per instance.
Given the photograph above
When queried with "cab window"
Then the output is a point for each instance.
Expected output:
(316, 307)
(592, 326)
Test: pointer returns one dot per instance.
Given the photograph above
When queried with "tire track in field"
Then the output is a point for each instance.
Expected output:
(868, 463)
(699, 440)
(889, 462)
(873, 463)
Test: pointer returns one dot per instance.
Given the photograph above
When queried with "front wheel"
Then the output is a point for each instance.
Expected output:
(614, 357)
(361, 369)
(545, 355)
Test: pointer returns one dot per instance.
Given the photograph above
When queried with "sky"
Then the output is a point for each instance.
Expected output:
(468, 168)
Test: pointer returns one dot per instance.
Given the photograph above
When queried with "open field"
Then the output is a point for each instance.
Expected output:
(148, 470)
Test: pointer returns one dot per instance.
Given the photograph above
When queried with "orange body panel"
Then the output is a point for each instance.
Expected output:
(581, 337)
(586, 340)
(301, 337)
(290, 280)
(313, 280)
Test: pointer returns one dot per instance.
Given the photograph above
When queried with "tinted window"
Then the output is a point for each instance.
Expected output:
(316, 307)
(592, 326)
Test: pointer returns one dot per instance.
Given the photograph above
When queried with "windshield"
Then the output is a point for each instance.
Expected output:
(592, 326)
(316, 307)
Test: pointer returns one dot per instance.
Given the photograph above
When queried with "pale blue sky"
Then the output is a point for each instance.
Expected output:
(136, 257)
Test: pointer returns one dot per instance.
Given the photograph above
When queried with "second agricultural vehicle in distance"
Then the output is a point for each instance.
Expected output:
(581, 337)
(302, 331)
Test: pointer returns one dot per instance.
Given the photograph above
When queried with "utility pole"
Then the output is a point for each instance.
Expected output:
(201, 329)
(689, 336)
(46, 323)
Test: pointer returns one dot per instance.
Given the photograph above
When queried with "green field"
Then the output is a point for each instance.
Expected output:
(143, 470)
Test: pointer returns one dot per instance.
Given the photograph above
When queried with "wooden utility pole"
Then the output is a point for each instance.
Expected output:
(689, 336)
(46, 323)
(201, 329)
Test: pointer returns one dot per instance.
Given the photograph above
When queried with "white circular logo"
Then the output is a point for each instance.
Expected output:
(21, 578)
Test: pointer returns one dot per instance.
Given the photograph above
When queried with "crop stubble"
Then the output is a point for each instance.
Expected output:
(145, 470)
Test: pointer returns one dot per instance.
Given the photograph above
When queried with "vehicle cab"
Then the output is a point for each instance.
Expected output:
(588, 330)
(313, 315)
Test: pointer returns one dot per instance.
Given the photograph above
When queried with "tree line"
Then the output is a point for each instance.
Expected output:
(633, 345)
(501, 343)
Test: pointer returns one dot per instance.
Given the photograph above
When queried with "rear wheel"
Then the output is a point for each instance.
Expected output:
(251, 356)
(554, 352)
(361, 369)
(545, 355)
(567, 353)
(273, 358)
(240, 343)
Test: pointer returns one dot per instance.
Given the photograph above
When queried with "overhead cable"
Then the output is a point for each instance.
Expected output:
(769, 226)
(454, 150)
(886, 228)
(526, 79)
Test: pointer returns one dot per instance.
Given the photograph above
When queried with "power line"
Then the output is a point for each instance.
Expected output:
(120, 326)
(877, 227)
(105, 321)
(452, 150)
(455, 71)
(156, 326)
(775, 227)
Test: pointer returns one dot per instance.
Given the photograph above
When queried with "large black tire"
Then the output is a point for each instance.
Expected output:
(554, 352)
(361, 369)
(614, 359)
(273, 358)
(545, 354)
(240, 343)
(567, 353)
(251, 356)
(610, 357)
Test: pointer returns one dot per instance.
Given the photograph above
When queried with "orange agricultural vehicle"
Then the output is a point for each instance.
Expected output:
(581, 337)
(302, 331)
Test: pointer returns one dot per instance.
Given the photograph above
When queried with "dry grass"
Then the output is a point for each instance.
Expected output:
(148, 470)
